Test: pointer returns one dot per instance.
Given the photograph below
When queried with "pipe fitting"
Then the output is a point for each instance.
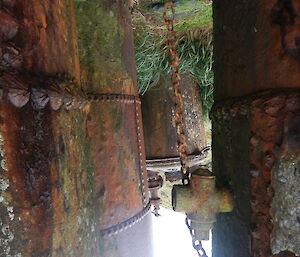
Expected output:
(155, 182)
(201, 201)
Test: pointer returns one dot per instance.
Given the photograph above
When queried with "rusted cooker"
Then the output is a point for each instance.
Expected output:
(73, 178)
(159, 125)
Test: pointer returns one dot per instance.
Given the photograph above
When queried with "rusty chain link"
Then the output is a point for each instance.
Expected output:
(177, 99)
(120, 227)
(196, 243)
(178, 102)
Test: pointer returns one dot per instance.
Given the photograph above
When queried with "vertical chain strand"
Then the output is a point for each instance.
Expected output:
(178, 102)
(196, 243)
(177, 99)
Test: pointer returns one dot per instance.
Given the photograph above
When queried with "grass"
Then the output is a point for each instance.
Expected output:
(194, 46)
(189, 14)
(196, 58)
(196, 15)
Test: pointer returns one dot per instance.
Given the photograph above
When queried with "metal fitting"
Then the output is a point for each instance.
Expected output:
(201, 201)
(155, 182)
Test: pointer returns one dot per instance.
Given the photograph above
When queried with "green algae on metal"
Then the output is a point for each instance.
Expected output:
(76, 179)
(100, 40)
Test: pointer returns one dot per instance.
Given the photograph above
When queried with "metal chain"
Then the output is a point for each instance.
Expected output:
(178, 102)
(177, 99)
(116, 229)
(196, 243)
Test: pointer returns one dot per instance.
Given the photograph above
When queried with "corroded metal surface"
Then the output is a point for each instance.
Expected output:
(67, 174)
(27, 146)
(173, 164)
(269, 122)
(28, 152)
(255, 49)
(126, 224)
(201, 201)
(159, 124)
(59, 91)
(106, 62)
(255, 46)
(38, 36)
(115, 149)
(155, 182)
(177, 89)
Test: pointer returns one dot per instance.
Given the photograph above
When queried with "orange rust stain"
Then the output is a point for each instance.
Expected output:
(269, 142)
(116, 162)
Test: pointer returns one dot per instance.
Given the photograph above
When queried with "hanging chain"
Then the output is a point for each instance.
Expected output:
(196, 243)
(178, 100)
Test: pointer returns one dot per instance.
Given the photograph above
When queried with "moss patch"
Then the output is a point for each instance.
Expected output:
(99, 39)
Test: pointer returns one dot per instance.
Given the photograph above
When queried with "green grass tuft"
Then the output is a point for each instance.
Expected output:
(194, 16)
(194, 46)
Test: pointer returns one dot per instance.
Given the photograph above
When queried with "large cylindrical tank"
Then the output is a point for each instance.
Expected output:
(73, 178)
(159, 125)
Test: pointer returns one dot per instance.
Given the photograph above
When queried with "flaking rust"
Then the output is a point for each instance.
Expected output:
(273, 118)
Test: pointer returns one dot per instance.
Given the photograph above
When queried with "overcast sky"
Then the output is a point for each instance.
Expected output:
(172, 237)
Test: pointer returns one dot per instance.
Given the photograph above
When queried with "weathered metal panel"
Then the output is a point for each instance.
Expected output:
(43, 38)
(106, 54)
(112, 131)
(260, 132)
(26, 207)
(68, 174)
(159, 123)
(255, 46)
(256, 52)
(38, 45)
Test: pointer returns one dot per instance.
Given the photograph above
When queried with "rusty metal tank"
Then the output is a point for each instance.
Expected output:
(73, 178)
(159, 125)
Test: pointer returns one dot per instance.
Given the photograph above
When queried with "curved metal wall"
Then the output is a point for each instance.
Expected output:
(72, 154)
